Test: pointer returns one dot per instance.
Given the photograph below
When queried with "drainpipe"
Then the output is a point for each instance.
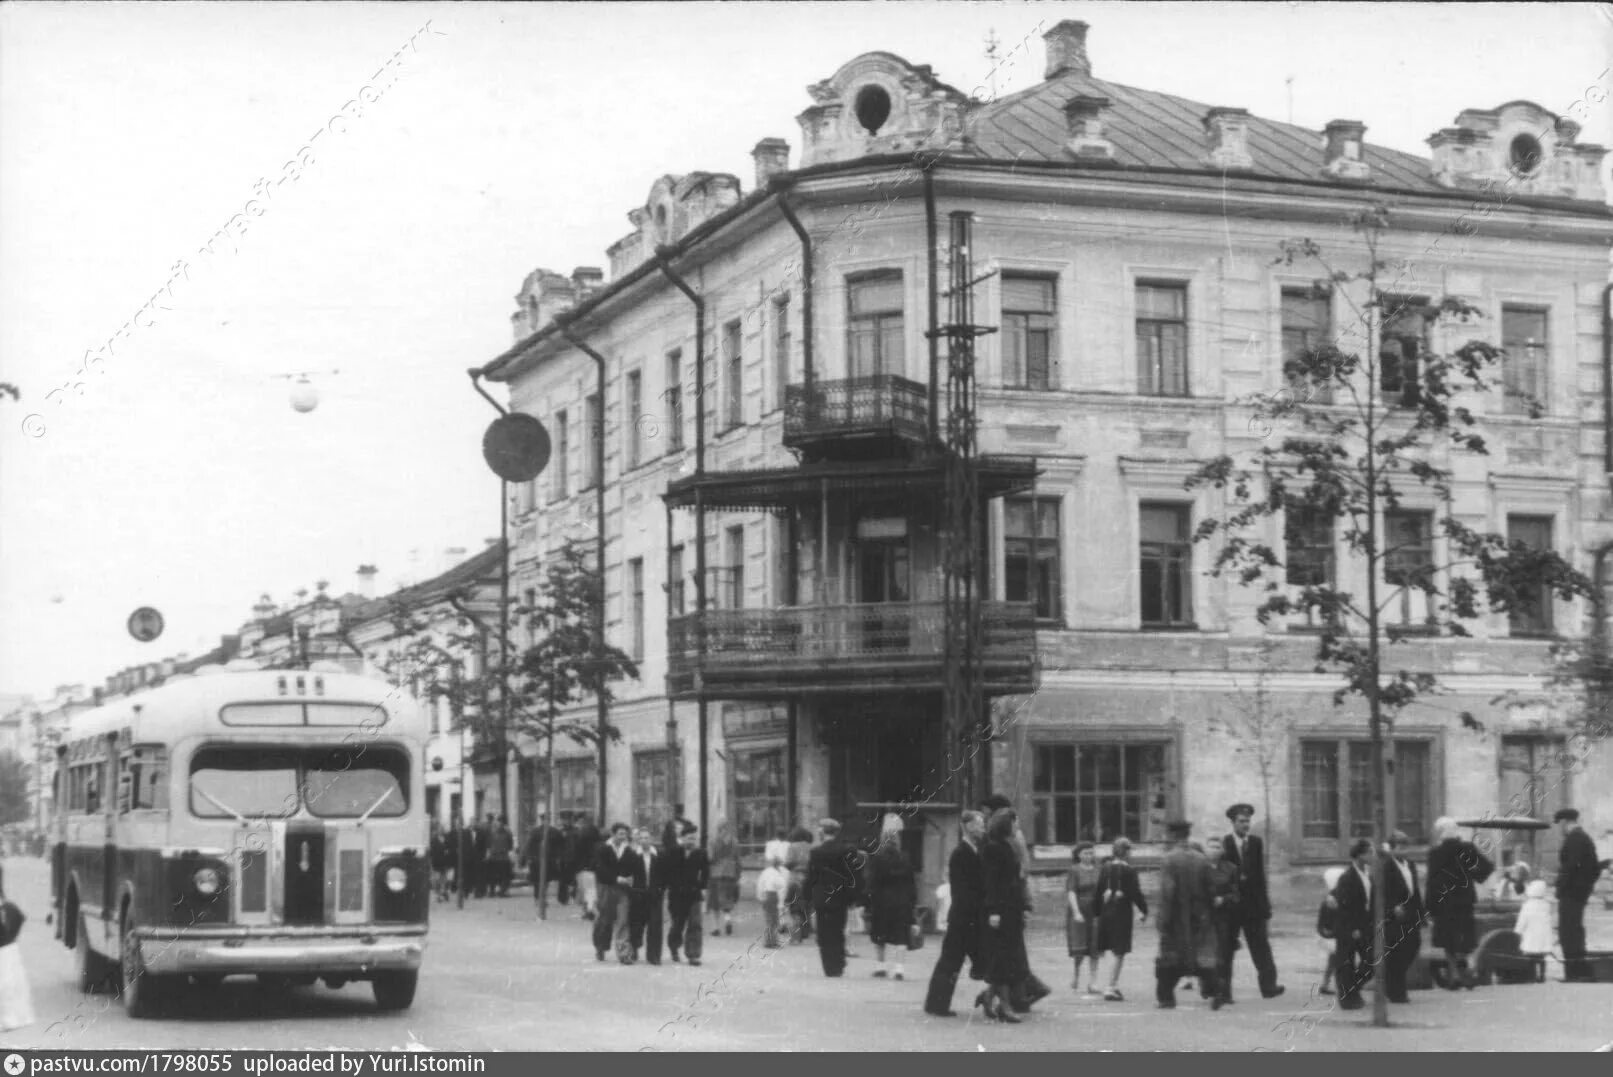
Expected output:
(602, 719)
(806, 292)
(503, 620)
(1607, 379)
(699, 508)
(931, 239)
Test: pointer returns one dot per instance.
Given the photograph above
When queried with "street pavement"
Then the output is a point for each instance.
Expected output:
(498, 979)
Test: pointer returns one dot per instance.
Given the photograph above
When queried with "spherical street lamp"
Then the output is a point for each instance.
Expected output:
(304, 397)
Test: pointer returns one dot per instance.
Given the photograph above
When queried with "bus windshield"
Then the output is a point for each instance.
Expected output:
(250, 782)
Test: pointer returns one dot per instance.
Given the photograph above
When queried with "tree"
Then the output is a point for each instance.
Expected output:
(13, 789)
(1367, 431)
(1257, 727)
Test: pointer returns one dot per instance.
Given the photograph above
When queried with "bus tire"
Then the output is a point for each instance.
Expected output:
(142, 991)
(94, 971)
(395, 990)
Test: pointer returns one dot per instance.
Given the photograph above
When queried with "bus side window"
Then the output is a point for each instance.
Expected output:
(147, 770)
(92, 789)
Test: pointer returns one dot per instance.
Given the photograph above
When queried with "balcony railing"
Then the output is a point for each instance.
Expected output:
(881, 406)
(805, 649)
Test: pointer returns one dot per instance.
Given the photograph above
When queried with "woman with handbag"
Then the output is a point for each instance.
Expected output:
(1118, 895)
(892, 895)
(16, 1000)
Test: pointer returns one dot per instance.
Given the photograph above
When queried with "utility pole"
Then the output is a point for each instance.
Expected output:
(991, 58)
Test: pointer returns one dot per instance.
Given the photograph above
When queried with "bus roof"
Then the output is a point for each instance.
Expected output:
(264, 702)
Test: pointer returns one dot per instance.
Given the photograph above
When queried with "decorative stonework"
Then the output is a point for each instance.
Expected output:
(675, 207)
(1163, 439)
(878, 104)
(1521, 147)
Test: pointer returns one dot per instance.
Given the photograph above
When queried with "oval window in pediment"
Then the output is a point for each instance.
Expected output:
(1526, 154)
(873, 108)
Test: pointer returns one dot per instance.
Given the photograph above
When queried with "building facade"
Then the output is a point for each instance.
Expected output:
(779, 471)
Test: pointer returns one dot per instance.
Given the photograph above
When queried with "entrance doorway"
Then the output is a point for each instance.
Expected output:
(882, 755)
(1534, 782)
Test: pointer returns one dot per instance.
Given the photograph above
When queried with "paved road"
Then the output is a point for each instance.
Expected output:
(497, 979)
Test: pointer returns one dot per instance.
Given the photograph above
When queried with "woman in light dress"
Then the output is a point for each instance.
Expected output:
(16, 1000)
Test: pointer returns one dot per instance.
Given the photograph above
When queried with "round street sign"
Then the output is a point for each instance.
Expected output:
(145, 624)
(516, 447)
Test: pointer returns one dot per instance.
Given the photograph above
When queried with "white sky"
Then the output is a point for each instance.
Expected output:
(515, 136)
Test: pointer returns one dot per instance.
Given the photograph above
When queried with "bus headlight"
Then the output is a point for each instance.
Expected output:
(206, 881)
(396, 879)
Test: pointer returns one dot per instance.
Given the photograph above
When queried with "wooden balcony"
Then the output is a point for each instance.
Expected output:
(816, 650)
(856, 416)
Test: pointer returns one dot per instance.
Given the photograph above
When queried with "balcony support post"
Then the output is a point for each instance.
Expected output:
(934, 335)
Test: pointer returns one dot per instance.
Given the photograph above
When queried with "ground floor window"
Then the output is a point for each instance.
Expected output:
(1335, 792)
(760, 797)
(655, 778)
(1098, 791)
(576, 787)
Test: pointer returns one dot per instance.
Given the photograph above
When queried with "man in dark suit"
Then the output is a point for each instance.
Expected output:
(834, 879)
(1577, 872)
(1254, 904)
(1353, 944)
(619, 870)
(962, 939)
(647, 899)
(688, 873)
(1402, 916)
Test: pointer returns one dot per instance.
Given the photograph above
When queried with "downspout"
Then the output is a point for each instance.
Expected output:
(699, 512)
(931, 238)
(806, 293)
(1607, 379)
(602, 718)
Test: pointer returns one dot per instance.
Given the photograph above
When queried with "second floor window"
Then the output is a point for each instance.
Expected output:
(1027, 331)
(593, 431)
(635, 612)
(1307, 324)
(1523, 371)
(874, 328)
(635, 419)
(781, 348)
(674, 401)
(733, 375)
(1406, 334)
(1408, 565)
(1308, 538)
(1031, 563)
(674, 587)
(1161, 339)
(562, 455)
(733, 585)
(1531, 616)
(1165, 565)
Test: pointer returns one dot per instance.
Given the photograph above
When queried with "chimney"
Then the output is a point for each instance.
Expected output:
(452, 556)
(366, 580)
(772, 157)
(1067, 49)
(1228, 129)
(1084, 116)
(586, 279)
(1345, 158)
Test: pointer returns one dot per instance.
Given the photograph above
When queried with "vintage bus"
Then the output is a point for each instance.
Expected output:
(243, 821)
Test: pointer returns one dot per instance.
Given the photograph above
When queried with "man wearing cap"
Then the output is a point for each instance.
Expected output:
(1185, 918)
(1402, 916)
(1254, 905)
(834, 882)
(1577, 872)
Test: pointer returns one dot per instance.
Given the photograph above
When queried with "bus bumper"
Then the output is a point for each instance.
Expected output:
(318, 952)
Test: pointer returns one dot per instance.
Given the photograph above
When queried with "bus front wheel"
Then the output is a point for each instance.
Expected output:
(395, 990)
(142, 991)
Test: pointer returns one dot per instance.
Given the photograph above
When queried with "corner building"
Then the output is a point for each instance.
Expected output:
(798, 454)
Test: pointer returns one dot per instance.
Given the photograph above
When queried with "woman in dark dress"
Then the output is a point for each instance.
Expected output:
(1002, 941)
(1455, 868)
(1118, 895)
(892, 895)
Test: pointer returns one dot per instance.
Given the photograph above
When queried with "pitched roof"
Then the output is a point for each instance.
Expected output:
(1159, 130)
(480, 567)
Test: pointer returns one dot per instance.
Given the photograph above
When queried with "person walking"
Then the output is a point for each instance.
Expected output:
(1119, 892)
(834, 882)
(962, 939)
(724, 892)
(772, 884)
(1187, 943)
(1455, 868)
(1577, 872)
(892, 895)
(617, 868)
(584, 855)
(500, 847)
(1327, 928)
(1403, 914)
(1081, 913)
(687, 875)
(16, 997)
(1029, 990)
(1225, 896)
(1002, 942)
(441, 861)
(1248, 853)
(1353, 966)
(649, 897)
(799, 900)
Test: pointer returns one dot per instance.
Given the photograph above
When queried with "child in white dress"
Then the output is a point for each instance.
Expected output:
(16, 1000)
(1533, 927)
